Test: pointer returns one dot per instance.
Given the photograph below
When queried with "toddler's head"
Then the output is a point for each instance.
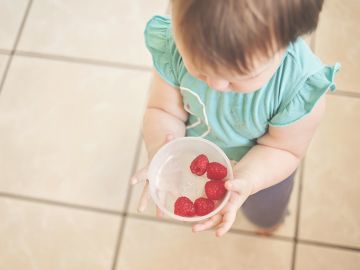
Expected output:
(238, 44)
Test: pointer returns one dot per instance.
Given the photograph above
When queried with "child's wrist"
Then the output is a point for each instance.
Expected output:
(248, 179)
(154, 148)
(242, 186)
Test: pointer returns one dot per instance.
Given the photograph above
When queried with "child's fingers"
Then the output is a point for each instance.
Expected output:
(159, 213)
(230, 211)
(162, 198)
(144, 197)
(235, 202)
(139, 176)
(227, 221)
(213, 221)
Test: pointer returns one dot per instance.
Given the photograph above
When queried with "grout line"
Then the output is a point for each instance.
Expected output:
(6, 70)
(338, 92)
(7, 67)
(6, 52)
(120, 65)
(298, 212)
(80, 60)
(127, 203)
(22, 25)
(334, 246)
(122, 214)
(60, 204)
(345, 94)
(154, 219)
(231, 231)
(254, 234)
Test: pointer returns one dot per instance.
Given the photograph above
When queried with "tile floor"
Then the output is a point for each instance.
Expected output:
(73, 82)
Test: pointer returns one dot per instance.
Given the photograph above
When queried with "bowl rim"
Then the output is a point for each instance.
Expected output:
(152, 184)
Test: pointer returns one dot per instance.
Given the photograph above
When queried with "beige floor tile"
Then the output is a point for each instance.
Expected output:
(331, 187)
(105, 30)
(315, 258)
(287, 228)
(69, 131)
(35, 236)
(154, 245)
(338, 40)
(11, 15)
(3, 61)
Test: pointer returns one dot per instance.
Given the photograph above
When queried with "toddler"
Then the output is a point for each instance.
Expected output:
(238, 73)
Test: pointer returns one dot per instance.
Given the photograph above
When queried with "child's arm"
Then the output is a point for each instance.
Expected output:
(164, 115)
(164, 119)
(279, 152)
(274, 158)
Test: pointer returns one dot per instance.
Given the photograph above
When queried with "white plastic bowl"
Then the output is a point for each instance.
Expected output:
(170, 176)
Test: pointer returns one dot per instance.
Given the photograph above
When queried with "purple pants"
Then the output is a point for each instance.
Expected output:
(268, 207)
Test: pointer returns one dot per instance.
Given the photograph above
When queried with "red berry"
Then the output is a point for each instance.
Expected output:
(215, 190)
(216, 171)
(184, 207)
(199, 164)
(203, 206)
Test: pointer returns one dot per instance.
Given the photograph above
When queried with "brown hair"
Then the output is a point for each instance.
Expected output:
(230, 33)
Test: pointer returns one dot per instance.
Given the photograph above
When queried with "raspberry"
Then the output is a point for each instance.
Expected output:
(203, 206)
(184, 207)
(216, 171)
(199, 164)
(215, 190)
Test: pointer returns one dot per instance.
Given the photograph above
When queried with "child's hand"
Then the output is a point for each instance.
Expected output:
(141, 176)
(240, 190)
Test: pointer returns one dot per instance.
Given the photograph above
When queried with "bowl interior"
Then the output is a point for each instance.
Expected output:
(170, 176)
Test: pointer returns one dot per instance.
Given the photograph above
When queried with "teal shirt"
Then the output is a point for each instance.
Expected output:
(235, 120)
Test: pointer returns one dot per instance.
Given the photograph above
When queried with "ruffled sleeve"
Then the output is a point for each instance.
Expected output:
(307, 94)
(157, 39)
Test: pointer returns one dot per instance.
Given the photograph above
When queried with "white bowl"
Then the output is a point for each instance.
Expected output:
(170, 176)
